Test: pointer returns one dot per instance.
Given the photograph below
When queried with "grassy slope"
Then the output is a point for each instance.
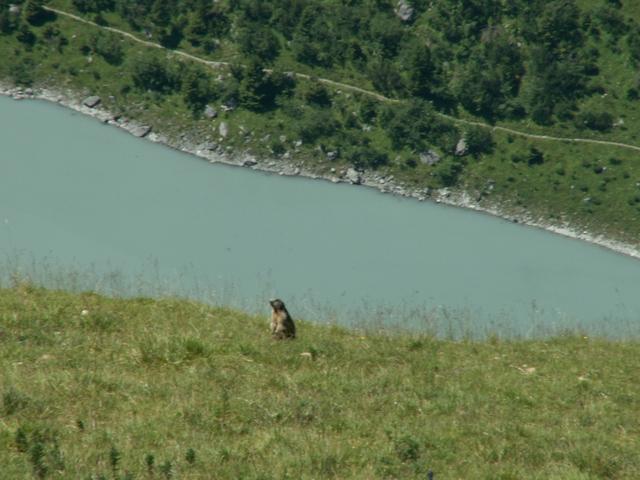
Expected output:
(140, 377)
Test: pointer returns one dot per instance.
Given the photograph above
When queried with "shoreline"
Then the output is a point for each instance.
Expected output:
(460, 199)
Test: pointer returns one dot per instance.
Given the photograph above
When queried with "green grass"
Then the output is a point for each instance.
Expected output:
(166, 388)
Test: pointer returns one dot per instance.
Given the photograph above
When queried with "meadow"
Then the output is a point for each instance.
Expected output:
(94, 387)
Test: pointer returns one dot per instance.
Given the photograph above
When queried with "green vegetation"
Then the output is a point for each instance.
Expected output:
(93, 387)
(565, 68)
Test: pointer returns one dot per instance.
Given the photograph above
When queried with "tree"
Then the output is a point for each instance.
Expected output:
(86, 6)
(109, 47)
(558, 25)
(259, 41)
(479, 141)
(365, 156)
(315, 93)
(448, 171)
(197, 88)
(254, 87)
(26, 36)
(601, 121)
(8, 21)
(385, 76)
(152, 72)
(34, 13)
(386, 33)
(491, 76)
(316, 124)
(21, 71)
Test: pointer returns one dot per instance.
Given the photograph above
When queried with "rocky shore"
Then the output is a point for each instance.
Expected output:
(92, 106)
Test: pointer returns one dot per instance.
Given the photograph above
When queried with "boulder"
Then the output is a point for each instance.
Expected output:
(223, 129)
(249, 162)
(230, 105)
(332, 155)
(429, 157)
(461, 147)
(404, 10)
(91, 101)
(210, 112)
(14, 9)
(353, 176)
(141, 130)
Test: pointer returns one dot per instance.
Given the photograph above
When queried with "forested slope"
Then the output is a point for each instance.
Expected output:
(562, 68)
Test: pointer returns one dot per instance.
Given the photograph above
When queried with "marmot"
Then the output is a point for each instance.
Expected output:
(282, 325)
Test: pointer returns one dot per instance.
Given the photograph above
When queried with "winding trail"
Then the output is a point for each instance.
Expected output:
(344, 86)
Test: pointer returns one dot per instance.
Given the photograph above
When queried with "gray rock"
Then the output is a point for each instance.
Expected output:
(461, 147)
(223, 129)
(14, 9)
(353, 176)
(332, 155)
(91, 101)
(141, 130)
(404, 10)
(429, 157)
(211, 146)
(210, 112)
(230, 105)
(249, 162)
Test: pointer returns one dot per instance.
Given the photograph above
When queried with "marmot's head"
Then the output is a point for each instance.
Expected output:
(277, 305)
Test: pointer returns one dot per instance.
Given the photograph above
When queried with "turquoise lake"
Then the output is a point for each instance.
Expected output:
(86, 206)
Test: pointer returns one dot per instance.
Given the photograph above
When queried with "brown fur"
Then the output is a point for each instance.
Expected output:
(282, 326)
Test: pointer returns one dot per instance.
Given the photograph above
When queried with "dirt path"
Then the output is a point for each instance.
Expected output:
(345, 86)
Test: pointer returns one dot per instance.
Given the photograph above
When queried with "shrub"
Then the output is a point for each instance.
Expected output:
(153, 72)
(535, 157)
(479, 141)
(601, 121)
(108, 47)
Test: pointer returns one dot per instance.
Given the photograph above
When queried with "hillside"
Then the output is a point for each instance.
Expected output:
(406, 95)
(94, 387)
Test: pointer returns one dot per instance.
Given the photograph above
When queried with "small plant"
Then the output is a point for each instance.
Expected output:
(167, 469)
(13, 401)
(190, 456)
(114, 459)
(149, 460)
(407, 449)
(36, 456)
(55, 456)
(22, 443)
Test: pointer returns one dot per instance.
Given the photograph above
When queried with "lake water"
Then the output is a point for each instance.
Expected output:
(86, 206)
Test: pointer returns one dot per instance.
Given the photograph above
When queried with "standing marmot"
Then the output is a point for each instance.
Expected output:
(282, 325)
